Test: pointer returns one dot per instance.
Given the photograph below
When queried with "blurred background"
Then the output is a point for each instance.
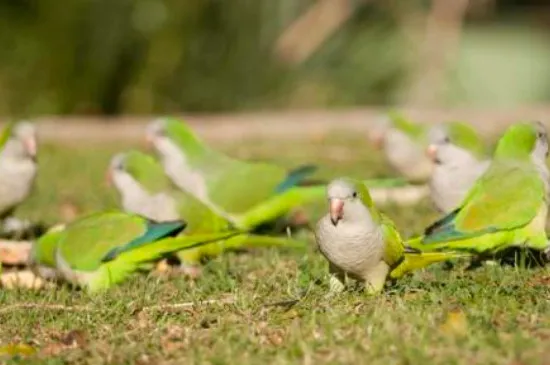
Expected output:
(110, 57)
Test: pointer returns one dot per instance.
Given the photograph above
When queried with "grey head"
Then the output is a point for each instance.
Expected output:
(447, 149)
(345, 203)
(540, 152)
(22, 144)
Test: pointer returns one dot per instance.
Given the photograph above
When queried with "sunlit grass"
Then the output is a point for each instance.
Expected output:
(270, 305)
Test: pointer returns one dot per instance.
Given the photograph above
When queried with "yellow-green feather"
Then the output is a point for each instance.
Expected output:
(410, 128)
(6, 134)
(465, 136)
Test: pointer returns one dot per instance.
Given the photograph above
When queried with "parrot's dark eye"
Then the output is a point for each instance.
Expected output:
(446, 140)
(354, 194)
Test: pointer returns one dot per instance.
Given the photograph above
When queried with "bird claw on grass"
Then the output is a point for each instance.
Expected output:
(166, 268)
(15, 228)
(546, 254)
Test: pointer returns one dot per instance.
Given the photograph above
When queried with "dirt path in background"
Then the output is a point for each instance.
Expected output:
(283, 124)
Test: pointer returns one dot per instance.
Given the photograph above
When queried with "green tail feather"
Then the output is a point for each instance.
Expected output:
(155, 231)
(420, 260)
(158, 249)
(295, 177)
(279, 205)
(128, 262)
(253, 241)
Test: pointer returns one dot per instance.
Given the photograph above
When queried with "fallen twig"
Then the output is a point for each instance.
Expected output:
(186, 305)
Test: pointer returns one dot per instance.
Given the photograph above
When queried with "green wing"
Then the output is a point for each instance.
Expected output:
(147, 171)
(150, 175)
(394, 249)
(199, 217)
(129, 261)
(507, 196)
(6, 134)
(86, 242)
(43, 250)
(465, 136)
(233, 185)
(155, 231)
(413, 130)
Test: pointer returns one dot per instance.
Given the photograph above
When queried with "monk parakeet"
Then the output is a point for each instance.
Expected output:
(145, 190)
(404, 143)
(221, 182)
(507, 206)
(103, 249)
(18, 165)
(362, 243)
(42, 255)
(459, 160)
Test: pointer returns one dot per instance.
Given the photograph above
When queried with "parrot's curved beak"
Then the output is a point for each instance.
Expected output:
(149, 140)
(377, 140)
(431, 152)
(336, 210)
(30, 146)
(109, 177)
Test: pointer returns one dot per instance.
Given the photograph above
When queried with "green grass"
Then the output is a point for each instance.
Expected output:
(279, 313)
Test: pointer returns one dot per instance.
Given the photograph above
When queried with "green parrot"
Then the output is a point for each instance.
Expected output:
(145, 190)
(42, 255)
(103, 249)
(506, 207)
(230, 186)
(459, 160)
(404, 144)
(360, 242)
(223, 183)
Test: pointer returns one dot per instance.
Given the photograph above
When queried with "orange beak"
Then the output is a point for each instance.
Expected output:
(336, 210)
(30, 146)
(149, 139)
(431, 152)
(377, 140)
(109, 178)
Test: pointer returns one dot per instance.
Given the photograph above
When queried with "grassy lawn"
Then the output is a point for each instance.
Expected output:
(269, 306)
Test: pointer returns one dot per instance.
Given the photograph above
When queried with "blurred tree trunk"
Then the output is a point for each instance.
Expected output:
(303, 37)
(438, 48)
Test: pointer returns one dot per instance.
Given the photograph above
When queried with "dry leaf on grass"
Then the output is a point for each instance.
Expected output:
(455, 323)
(62, 342)
(16, 349)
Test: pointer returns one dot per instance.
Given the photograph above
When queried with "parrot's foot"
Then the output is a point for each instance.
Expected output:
(336, 285)
(13, 225)
(371, 290)
(375, 278)
(546, 254)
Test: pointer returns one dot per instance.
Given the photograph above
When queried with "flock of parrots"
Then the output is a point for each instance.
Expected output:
(191, 202)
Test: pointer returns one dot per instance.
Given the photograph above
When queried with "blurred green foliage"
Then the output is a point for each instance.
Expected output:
(162, 56)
